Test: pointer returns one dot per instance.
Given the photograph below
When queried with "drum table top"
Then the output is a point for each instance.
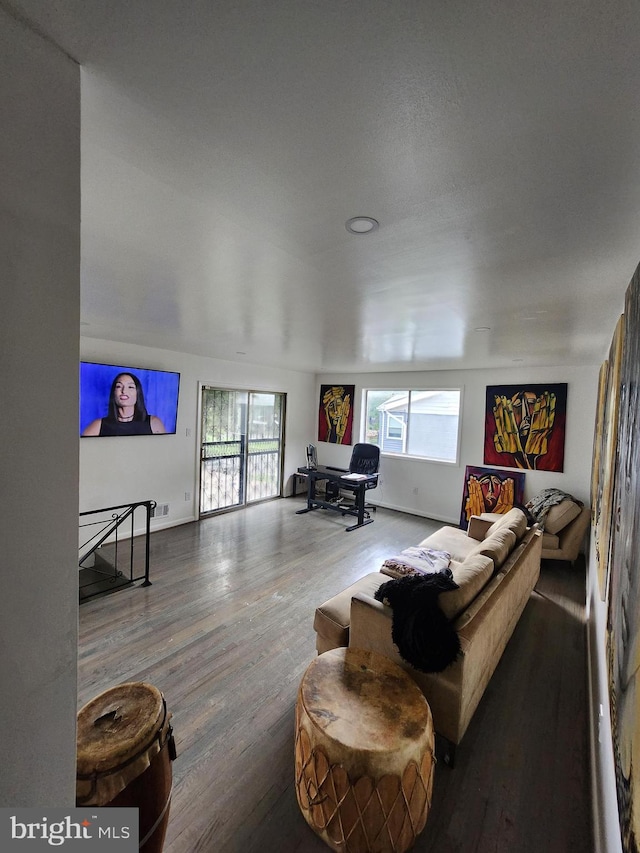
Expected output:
(117, 726)
(365, 702)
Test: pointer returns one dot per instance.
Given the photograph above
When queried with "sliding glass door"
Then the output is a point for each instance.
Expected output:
(241, 448)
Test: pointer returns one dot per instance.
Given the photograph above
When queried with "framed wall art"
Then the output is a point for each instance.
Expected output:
(335, 415)
(489, 490)
(525, 426)
(603, 476)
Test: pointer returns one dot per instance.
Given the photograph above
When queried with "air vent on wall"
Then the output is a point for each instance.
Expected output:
(160, 510)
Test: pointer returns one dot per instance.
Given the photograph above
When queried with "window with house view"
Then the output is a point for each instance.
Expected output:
(420, 423)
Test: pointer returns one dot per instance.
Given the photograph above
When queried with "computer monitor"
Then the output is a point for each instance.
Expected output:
(312, 457)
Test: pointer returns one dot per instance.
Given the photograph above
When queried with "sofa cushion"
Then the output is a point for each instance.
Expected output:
(497, 546)
(560, 515)
(453, 540)
(550, 541)
(332, 618)
(471, 576)
(514, 520)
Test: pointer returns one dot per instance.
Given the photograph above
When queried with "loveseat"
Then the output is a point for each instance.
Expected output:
(496, 565)
(563, 530)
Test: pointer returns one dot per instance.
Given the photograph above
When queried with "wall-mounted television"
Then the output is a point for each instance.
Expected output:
(120, 400)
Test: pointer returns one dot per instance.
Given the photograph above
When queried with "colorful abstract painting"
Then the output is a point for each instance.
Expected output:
(623, 621)
(603, 473)
(525, 426)
(335, 416)
(489, 490)
(598, 437)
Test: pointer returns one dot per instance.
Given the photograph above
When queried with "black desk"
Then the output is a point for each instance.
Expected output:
(359, 488)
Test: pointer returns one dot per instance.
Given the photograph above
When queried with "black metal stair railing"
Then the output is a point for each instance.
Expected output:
(104, 537)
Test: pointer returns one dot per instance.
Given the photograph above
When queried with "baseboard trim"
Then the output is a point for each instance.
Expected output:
(421, 513)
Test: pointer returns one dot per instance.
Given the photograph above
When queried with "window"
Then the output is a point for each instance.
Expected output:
(395, 426)
(421, 423)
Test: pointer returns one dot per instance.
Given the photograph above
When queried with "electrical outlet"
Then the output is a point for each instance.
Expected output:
(187, 496)
(415, 490)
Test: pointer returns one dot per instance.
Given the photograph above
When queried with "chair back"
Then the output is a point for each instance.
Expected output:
(365, 459)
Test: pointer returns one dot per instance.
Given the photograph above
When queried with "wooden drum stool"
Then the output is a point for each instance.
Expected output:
(364, 752)
(125, 748)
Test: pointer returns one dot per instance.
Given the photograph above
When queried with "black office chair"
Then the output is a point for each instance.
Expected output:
(365, 459)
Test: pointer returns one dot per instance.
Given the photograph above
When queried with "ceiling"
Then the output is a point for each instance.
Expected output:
(226, 142)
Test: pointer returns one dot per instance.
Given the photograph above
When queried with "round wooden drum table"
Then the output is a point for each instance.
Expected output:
(364, 752)
(124, 752)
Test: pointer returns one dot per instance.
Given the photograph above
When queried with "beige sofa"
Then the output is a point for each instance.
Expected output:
(496, 565)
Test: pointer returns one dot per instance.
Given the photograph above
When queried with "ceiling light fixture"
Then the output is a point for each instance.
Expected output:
(482, 329)
(361, 225)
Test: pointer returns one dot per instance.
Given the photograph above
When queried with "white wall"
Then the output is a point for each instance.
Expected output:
(440, 485)
(162, 468)
(39, 322)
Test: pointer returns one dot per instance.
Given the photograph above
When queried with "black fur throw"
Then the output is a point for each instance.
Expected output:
(424, 636)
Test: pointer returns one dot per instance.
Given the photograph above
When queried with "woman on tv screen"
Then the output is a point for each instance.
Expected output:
(127, 414)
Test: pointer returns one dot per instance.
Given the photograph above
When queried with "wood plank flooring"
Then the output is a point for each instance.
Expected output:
(225, 631)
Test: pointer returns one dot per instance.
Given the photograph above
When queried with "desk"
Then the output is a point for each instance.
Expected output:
(337, 476)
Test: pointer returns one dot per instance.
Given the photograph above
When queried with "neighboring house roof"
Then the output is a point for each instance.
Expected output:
(424, 402)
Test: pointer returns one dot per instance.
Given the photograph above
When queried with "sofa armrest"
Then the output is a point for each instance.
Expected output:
(478, 527)
(371, 623)
(572, 537)
(373, 620)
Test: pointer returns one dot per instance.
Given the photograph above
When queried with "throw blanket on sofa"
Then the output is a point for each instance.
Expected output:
(424, 636)
(418, 561)
(542, 503)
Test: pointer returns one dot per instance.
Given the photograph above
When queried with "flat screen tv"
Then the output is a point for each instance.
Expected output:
(120, 400)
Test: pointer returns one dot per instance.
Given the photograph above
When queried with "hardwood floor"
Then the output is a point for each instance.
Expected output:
(225, 632)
